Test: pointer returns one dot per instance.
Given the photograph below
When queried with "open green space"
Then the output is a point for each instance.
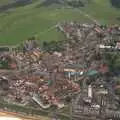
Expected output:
(19, 23)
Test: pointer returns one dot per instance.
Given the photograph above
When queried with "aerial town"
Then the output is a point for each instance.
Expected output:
(59, 59)
(76, 74)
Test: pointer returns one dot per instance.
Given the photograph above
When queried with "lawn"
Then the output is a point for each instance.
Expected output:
(103, 11)
(19, 23)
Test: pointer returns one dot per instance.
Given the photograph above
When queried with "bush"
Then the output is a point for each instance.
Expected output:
(76, 3)
(53, 46)
(113, 60)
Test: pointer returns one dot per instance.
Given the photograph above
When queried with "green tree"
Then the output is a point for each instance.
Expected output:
(76, 3)
(115, 3)
(113, 60)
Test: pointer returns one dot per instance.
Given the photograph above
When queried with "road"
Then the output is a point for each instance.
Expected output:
(15, 116)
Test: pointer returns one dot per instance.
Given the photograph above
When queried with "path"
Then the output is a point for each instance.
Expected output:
(49, 29)
(88, 16)
(81, 12)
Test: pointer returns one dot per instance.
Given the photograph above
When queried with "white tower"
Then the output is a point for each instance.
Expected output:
(90, 91)
(79, 34)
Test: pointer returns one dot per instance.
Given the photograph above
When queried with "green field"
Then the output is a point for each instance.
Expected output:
(19, 23)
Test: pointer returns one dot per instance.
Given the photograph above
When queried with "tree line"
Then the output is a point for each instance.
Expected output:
(115, 3)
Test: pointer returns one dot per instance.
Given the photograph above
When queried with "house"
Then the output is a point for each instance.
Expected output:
(73, 70)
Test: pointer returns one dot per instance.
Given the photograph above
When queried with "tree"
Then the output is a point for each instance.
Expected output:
(115, 3)
(113, 60)
(76, 3)
(53, 46)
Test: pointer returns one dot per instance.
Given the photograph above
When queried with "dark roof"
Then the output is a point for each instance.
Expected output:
(74, 66)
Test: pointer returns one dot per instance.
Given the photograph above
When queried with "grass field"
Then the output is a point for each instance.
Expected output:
(19, 23)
